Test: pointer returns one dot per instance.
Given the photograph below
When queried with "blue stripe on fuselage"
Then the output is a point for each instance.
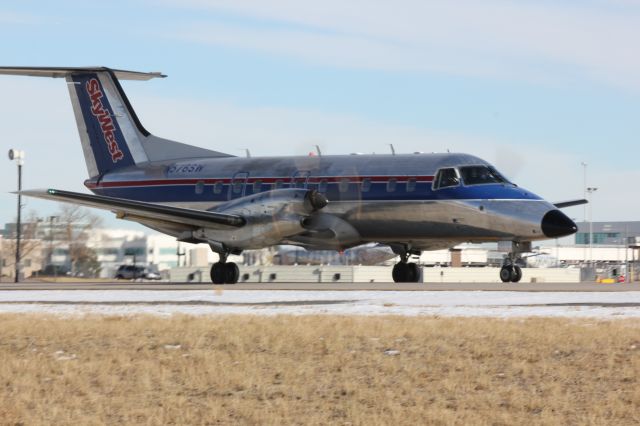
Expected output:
(378, 192)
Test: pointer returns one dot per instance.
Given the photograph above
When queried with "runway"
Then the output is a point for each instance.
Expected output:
(465, 300)
(525, 287)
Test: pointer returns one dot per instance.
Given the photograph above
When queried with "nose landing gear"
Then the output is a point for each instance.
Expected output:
(510, 271)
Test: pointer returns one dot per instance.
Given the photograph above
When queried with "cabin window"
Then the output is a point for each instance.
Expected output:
(344, 185)
(391, 184)
(446, 178)
(200, 187)
(257, 186)
(411, 185)
(366, 185)
(278, 184)
(237, 186)
(299, 182)
(322, 186)
(217, 187)
(480, 175)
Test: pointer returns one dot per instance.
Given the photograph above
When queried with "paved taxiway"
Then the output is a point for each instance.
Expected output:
(519, 287)
(224, 301)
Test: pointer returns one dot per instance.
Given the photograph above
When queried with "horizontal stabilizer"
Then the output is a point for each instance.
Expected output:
(111, 133)
(570, 203)
(61, 72)
(123, 208)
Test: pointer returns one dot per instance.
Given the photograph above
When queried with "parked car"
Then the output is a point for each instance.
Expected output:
(131, 272)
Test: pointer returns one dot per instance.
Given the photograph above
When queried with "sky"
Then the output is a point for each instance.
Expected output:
(535, 87)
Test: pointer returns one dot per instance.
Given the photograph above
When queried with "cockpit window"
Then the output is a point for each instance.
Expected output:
(479, 175)
(446, 178)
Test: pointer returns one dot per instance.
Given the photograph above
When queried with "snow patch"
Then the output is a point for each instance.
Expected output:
(274, 302)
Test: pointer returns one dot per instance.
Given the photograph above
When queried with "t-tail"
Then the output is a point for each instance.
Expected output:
(111, 134)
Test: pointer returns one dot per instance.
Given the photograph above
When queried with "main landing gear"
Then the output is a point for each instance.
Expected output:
(224, 272)
(510, 271)
(405, 271)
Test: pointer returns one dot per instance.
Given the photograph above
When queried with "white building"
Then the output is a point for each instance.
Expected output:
(159, 252)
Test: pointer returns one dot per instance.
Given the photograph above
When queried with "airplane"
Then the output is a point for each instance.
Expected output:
(409, 202)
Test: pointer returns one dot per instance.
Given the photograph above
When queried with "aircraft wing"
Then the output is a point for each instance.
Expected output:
(570, 203)
(129, 209)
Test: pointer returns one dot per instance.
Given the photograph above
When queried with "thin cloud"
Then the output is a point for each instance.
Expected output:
(518, 39)
(13, 18)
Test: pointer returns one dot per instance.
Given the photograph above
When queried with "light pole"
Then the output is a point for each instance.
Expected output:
(590, 191)
(18, 157)
(584, 186)
(51, 220)
(179, 254)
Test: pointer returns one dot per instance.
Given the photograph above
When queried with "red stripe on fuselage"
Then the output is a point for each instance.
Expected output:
(265, 180)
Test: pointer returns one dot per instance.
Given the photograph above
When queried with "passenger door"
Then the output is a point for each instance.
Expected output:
(299, 179)
(238, 185)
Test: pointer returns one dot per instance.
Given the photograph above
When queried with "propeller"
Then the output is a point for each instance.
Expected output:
(509, 161)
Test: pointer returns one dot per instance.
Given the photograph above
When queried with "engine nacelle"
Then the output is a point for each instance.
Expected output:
(271, 216)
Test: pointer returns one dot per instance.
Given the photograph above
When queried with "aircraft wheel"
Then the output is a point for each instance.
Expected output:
(516, 274)
(413, 273)
(218, 273)
(405, 273)
(506, 273)
(232, 273)
(400, 272)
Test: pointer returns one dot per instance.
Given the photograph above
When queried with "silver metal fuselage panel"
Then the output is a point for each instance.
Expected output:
(424, 217)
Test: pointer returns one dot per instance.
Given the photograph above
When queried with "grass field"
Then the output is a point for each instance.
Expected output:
(317, 370)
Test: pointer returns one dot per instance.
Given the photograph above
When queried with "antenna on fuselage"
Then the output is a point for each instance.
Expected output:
(393, 150)
(247, 152)
(318, 150)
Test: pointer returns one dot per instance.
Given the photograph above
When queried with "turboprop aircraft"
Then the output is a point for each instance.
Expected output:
(409, 202)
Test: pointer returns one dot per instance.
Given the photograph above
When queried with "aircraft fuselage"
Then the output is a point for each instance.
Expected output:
(386, 198)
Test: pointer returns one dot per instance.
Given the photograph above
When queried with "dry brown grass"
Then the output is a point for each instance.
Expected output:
(317, 370)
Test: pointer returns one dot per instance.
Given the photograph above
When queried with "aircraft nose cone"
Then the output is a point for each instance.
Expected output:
(556, 224)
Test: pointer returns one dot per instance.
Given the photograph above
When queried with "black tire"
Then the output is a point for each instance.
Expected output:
(413, 273)
(516, 274)
(231, 273)
(506, 273)
(399, 272)
(217, 273)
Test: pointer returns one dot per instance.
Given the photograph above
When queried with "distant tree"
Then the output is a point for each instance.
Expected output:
(87, 263)
(28, 242)
(75, 224)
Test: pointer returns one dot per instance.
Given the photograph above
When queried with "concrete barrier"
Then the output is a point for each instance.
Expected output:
(363, 274)
(492, 275)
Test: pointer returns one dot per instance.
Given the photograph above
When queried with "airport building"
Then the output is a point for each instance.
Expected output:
(47, 248)
(32, 256)
(615, 246)
(607, 233)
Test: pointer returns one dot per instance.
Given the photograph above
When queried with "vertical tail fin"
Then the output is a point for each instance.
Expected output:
(103, 121)
(111, 134)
